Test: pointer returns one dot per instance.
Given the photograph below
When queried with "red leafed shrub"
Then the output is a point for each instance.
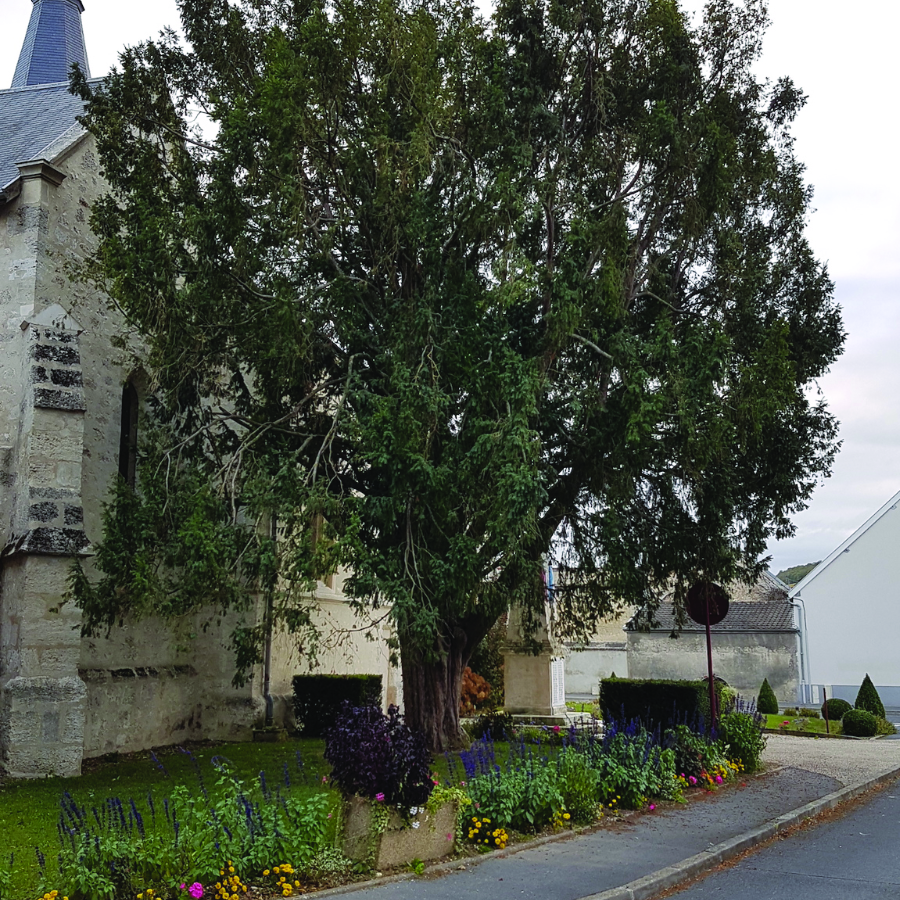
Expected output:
(474, 694)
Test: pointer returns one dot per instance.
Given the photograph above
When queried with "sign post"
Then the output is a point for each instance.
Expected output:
(707, 604)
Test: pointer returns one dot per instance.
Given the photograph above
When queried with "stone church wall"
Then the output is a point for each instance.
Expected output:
(63, 697)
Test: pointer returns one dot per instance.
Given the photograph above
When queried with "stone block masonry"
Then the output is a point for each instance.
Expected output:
(42, 697)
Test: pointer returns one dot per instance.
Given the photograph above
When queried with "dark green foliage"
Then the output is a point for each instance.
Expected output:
(493, 726)
(796, 574)
(656, 701)
(859, 723)
(835, 709)
(475, 294)
(318, 699)
(767, 703)
(743, 737)
(868, 698)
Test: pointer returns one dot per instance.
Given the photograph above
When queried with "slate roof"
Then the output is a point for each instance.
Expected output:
(54, 40)
(31, 119)
(755, 615)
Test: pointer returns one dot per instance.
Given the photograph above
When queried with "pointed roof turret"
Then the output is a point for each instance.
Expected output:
(53, 42)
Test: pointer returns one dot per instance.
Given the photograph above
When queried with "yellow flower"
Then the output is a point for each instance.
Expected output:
(566, 816)
(266, 872)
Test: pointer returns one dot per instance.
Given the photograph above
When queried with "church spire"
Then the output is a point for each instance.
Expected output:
(53, 42)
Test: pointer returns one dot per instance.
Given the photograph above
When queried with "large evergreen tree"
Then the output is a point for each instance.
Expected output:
(475, 294)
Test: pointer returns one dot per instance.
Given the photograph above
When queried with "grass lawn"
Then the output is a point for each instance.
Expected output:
(801, 724)
(29, 810)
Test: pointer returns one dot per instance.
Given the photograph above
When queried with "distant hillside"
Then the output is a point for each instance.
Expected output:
(796, 573)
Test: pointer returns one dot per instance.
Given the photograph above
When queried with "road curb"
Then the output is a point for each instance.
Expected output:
(671, 876)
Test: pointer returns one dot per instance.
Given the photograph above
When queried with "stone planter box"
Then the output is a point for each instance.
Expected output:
(399, 844)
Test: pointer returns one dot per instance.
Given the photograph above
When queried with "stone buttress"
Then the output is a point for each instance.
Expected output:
(42, 697)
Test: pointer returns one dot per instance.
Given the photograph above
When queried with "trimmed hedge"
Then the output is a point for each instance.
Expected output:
(868, 699)
(836, 708)
(766, 701)
(859, 723)
(658, 701)
(318, 698)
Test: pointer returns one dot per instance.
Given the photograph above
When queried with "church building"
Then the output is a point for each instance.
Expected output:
(68, 427)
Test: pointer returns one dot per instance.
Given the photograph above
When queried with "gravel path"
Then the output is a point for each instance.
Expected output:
(849, 762)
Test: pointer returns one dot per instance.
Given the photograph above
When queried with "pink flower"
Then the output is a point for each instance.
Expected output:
(329, 815)
(556, 729)
(379, 798)
(692, 779)
(324, 779)
(652, 807)
(183, 886)
(718, 779)
(449, 837)
(196, 890)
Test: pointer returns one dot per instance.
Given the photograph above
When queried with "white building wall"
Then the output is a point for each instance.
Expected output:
(853, 607)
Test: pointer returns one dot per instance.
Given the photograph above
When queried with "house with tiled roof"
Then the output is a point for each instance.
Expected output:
(759, 638)
(69, 399)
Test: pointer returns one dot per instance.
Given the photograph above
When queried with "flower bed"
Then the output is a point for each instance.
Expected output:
(224, 839)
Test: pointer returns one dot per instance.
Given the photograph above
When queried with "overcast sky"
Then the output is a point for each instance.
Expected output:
(844, 57)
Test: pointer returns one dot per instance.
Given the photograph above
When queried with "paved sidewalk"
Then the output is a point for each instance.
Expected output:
(642, 845)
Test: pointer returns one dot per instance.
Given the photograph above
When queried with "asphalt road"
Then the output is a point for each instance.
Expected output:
(852, 857)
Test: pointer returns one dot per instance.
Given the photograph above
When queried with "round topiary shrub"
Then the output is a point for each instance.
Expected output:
(868, 698)
(859, 723)
(834, 708)
(767, 703)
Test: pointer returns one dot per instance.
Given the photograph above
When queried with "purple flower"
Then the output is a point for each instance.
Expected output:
(196, 890)
(379, 798)
(718, 779)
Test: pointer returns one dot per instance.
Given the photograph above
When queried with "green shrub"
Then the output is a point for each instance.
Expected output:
(868, 698)
(578, 784)
(694, 753)
(834, 708)
(656, 701)
(318, 698)
(860, 723)
(767, 703)
(809, 713)
(885, 727)
(491, 726)
(743, 738)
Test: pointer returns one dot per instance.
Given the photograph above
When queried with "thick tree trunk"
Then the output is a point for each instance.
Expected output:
(431, 689)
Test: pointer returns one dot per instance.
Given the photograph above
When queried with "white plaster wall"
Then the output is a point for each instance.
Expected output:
(853, 610)
(587, 664)
(350, 644)
(742, 659)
